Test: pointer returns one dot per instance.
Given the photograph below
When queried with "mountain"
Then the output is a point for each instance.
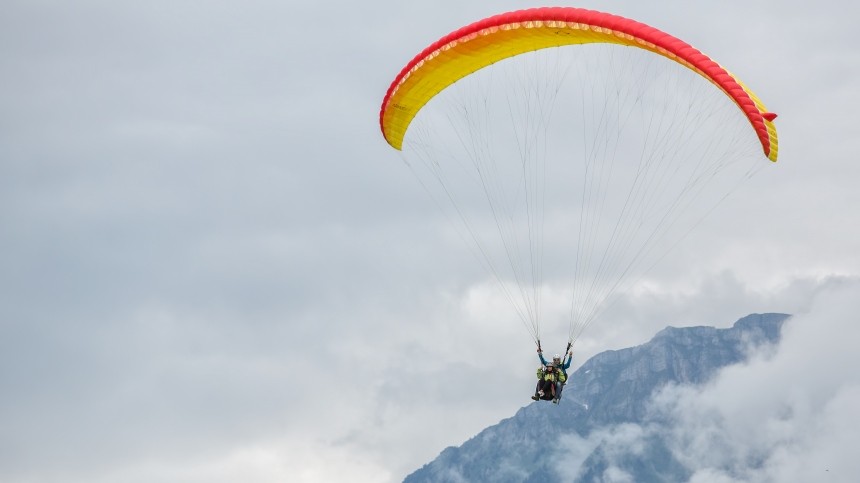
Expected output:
(608, 395)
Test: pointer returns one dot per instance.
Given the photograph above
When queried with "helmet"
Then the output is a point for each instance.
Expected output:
(556, 357)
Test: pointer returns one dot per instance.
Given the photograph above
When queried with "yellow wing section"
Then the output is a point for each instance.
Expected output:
(465, 55)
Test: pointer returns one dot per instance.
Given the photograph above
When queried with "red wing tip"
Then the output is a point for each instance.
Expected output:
(769, 116)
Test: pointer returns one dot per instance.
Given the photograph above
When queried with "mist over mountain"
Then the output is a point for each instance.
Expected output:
(611, 423)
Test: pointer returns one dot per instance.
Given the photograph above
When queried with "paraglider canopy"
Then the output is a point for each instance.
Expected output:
(576, 148)
(490, 40)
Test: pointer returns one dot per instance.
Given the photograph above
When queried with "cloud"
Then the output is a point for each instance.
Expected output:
(197, 212)
(294, 460)
(788, 415)
(613, 443)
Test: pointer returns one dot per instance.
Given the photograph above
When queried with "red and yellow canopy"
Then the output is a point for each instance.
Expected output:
(487, 41)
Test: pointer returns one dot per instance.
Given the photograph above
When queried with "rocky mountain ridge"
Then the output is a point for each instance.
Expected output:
(612, 388)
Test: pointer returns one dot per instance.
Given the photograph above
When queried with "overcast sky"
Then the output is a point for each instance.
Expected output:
(213, 268)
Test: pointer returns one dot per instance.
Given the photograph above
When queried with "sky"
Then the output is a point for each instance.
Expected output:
(213, 267)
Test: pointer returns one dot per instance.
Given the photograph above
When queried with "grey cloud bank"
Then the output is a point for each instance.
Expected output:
(211, 263)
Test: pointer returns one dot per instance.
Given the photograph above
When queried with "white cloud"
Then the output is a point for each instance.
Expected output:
(789, 415)
(299, 460)
(613, 442)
